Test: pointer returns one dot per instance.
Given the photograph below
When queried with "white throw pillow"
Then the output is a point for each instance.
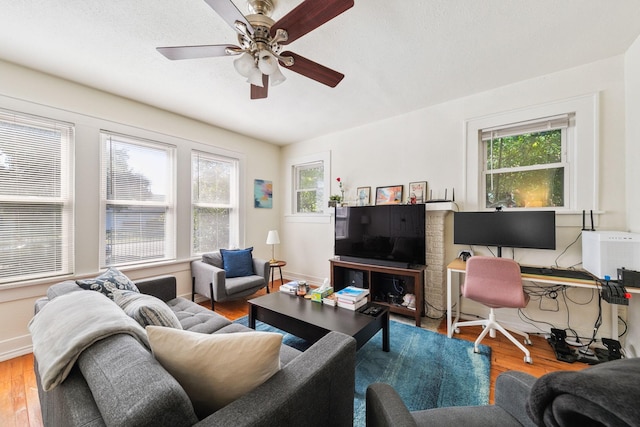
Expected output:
(216, 369)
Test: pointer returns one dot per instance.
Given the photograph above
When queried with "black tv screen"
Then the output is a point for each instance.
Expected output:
(514, 229)
(387, 234)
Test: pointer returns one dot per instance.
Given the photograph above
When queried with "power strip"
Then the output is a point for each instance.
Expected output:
(614, 293)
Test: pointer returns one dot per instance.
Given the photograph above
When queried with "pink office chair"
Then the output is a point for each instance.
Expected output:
(496, 283)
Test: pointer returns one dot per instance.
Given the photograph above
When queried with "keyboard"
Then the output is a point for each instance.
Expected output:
(557, 272)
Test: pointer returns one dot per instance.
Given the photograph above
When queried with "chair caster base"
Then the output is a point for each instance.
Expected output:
(528, 360)
(456, 330)
(527, 341)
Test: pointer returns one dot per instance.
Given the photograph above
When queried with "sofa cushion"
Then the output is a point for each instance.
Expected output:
(196, 318)
(107, 282)
(213, 258)
(146, 309)
(216, 369)
(237, 262)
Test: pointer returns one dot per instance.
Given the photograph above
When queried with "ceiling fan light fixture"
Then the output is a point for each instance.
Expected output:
(277, 77)
(245, 64)
(255, 78)
(267, 63)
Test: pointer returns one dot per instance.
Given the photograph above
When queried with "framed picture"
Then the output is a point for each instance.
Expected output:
(391, 195)
(417, 190)
(262, 193)
(364, 196)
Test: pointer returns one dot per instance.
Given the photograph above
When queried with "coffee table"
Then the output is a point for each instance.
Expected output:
(311, 320)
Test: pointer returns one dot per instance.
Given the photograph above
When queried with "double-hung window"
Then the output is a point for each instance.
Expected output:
(526, 164)
(138, 198)
(214, 202)
(36, 197)
(308, 187)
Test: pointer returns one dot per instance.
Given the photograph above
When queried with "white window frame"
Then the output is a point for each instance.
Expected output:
(564, 122)
(233, 205)
(581, 154)
(168, 204)
(62, 196)
(319, 217)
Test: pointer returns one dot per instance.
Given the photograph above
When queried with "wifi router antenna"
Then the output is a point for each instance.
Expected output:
(591, 214)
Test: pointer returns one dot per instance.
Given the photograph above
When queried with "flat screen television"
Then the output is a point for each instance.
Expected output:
(513, 229)
(391, 235)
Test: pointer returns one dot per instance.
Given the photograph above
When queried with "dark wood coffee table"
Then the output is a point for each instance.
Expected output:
(311, 320)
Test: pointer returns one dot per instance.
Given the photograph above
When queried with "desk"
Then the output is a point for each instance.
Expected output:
(273, 266)
(458, 267)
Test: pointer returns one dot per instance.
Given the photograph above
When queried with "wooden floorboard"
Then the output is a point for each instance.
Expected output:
(20, 407)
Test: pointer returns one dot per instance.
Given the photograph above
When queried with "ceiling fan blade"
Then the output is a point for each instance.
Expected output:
(192, 52)
(258, 92)
(313, 70)
(309, 15)
(230, 13)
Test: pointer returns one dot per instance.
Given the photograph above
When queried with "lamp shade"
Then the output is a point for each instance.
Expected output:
(255, 77)
(267, 63)
(273, 238)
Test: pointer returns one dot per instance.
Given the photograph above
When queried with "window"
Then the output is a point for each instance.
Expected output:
(36, 197)
(214, 202)
(138, 199)
(565, 172)
(525, 164)
(308, 187)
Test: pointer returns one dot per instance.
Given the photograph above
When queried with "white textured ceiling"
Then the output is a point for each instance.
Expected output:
(397, 56)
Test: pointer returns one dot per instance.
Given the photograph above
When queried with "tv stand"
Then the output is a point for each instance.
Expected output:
(386, 284)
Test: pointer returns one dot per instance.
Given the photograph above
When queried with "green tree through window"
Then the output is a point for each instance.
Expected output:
(525, 170)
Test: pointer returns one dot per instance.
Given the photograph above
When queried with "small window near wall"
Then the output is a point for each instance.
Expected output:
(526, 165)
(308, 187)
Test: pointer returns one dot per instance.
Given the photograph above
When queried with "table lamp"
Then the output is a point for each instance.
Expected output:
(273, 239)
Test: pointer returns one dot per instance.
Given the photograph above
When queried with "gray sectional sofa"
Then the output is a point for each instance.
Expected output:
(117, 382)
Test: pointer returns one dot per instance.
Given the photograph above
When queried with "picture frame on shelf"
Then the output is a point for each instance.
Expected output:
(364, 196)
(389, 195)
(418, 190)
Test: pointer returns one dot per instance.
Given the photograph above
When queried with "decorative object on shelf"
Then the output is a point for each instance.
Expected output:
(364, 196)
(417, 191)
(262, 193)
(334, 200)
(273, 239)
(341, 188)
(391, 195)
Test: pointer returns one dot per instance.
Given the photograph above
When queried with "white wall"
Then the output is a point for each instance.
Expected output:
(632, 86)
(32, 92)
(428, 145)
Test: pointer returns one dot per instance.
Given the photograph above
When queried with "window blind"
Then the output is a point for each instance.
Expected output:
(36, 197)
(214, 206)
(532, 126)
(138, 185)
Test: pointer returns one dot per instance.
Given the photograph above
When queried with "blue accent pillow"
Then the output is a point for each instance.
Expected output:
(237, 262)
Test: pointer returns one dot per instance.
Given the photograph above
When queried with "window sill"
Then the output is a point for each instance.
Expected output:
(309, 218)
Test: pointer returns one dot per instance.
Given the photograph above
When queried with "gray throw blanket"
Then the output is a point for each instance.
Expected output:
(69, 324)
(604, 395)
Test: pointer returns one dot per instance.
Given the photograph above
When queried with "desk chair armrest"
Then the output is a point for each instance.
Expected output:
(385, 408)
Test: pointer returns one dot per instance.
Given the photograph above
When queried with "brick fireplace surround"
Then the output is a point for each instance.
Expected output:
(435, 292)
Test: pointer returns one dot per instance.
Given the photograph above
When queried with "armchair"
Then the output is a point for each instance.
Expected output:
(209, 279)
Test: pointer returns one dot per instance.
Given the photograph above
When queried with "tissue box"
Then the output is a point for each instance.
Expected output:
(317, 295)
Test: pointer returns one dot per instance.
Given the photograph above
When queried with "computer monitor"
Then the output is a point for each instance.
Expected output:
(513, 229)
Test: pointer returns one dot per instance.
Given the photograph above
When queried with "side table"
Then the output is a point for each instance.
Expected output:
(278, 265)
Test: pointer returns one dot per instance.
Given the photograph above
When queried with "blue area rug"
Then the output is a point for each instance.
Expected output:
(427, 369)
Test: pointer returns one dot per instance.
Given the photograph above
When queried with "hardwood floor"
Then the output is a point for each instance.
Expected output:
(19, 405)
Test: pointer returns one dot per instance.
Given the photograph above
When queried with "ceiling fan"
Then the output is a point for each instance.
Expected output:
(261, 41)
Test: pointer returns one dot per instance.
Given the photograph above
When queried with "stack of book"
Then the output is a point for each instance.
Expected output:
(352, 297)
(289, 288)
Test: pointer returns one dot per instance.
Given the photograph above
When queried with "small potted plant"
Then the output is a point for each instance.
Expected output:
(334, 200)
